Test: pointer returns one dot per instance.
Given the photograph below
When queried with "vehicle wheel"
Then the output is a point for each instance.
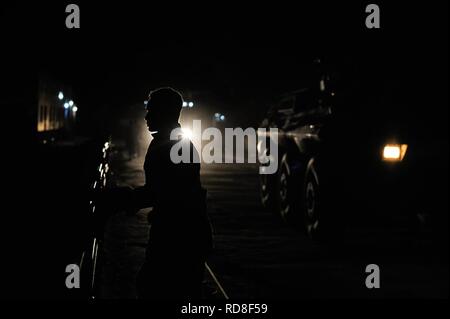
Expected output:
(311, 203)
(320, 222)
(267, 192)
(284, 192)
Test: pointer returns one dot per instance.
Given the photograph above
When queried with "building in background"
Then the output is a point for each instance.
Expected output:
(56, 110)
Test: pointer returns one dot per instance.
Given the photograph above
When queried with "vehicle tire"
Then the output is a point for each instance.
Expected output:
(267, 191)
(319, 221)
(311, 203)
(284, 190)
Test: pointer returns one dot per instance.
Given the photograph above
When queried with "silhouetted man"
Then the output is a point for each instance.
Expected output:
(180, 236)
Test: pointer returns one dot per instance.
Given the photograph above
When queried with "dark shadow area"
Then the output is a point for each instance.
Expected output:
(66, 92)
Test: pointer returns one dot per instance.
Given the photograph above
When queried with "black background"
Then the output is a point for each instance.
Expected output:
(240, 54)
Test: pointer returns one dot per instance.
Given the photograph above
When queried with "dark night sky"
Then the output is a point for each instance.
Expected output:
(240, 55)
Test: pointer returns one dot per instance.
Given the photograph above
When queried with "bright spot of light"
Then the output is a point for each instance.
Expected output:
(185, 104)
(74, 108)
(60, 95)
(191, 104)
(222, 117)
(66, 105)
(394, 152)
(71, 103)
(391, 152)
(186, 133)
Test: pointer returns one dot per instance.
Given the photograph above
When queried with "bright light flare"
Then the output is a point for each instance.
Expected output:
(187, 133)
(394, 152)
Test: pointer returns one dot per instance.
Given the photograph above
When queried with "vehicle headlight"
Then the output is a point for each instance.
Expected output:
(394, 152)
(187, 133)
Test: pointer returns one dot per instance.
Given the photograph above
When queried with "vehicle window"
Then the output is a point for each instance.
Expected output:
(305, 101)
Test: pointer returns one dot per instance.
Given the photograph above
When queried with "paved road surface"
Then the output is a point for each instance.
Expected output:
(257, 256)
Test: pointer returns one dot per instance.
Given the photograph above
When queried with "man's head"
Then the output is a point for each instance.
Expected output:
(163, 109)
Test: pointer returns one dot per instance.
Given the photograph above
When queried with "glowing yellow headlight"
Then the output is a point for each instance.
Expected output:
(394, 152)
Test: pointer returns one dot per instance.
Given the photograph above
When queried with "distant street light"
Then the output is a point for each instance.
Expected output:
(71, 103)
(74, 108)
(188, 104)
(60, 95)
(218, 117)
(66, 105)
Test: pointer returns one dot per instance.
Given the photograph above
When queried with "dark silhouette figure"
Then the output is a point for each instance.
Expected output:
(180, 233)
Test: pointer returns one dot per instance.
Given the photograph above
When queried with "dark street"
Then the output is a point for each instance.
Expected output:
(258, 256)
(194, 156)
